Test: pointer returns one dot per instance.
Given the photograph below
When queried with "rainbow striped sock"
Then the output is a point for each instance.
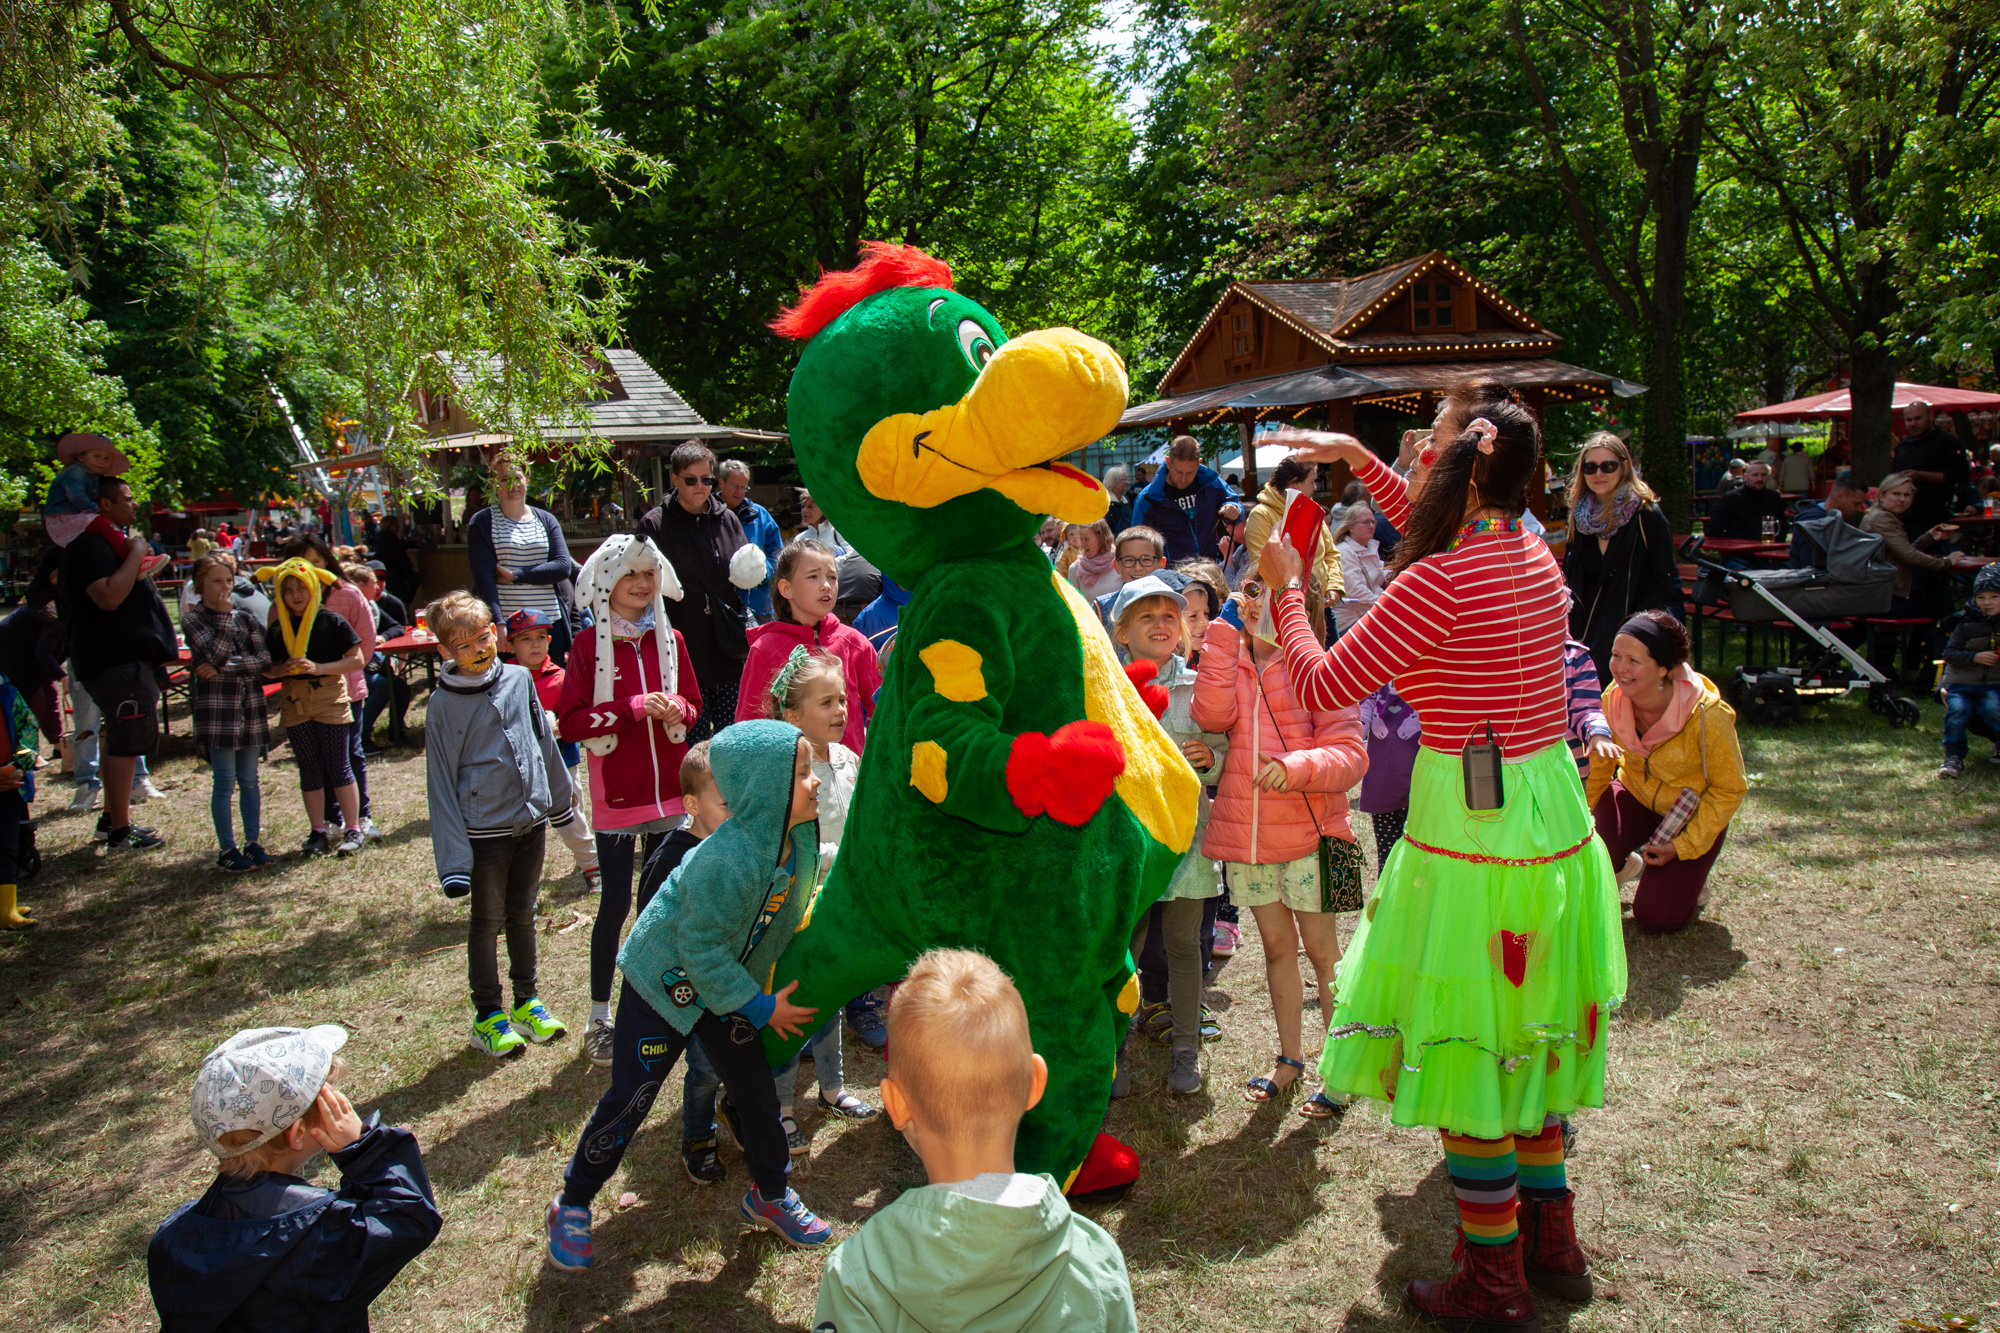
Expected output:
(1483, 1177)
(1540, 1162)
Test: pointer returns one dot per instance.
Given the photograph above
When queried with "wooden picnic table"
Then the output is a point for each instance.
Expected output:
(1744, 548)
(407, 650)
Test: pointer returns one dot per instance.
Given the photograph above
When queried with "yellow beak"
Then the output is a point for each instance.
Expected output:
(1042, 395)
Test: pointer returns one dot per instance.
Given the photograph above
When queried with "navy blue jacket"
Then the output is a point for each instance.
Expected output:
(1188, 535)
(275, 1254)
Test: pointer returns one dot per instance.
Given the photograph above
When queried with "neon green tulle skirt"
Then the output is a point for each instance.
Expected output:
(1477, 993)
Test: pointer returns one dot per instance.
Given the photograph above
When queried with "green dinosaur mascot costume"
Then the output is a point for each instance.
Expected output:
(1016, 794)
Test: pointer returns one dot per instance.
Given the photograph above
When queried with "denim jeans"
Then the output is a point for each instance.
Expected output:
(235, 773)
(382, 690)
(84, 720)
(1961, 704)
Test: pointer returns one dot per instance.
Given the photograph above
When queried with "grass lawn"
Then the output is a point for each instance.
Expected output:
(1801, 1130)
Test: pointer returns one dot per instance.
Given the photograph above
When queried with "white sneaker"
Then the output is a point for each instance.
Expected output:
(86, 797)
(368, 829)
(143, 790)
(350, 843)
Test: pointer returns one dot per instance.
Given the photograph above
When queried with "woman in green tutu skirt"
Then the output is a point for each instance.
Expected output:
(1477, 992)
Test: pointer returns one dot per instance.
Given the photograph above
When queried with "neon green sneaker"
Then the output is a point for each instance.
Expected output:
(535, 1022)
(494, 1035)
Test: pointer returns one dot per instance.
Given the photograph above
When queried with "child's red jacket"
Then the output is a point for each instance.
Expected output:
(639, 781)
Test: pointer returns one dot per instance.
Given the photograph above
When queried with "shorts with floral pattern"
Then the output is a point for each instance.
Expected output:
(1294, 883)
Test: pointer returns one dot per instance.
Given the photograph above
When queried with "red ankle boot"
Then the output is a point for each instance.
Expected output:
(1488, 1293)
(1551, 1257)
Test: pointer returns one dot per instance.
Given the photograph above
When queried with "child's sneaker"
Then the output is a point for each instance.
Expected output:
(864, 1020)
(569, 1237)
(1184, 1077)
(258, 857)
(795, 1138)
(729, 1123)
(369, 829)
(593, 880)
(1953, 767)
(597, 1043)
(234, 861)
(316, 844)
(703, 1162)
(1227, 937)
(351, 842)
(494, 1035)
(533, 1020)
(132, 838)
(792, 1220)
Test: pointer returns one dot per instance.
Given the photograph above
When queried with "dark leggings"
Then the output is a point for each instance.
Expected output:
(616, 859)
(642, 1058)
(325, 762)
(355, 759)
(1388, 827)
(13, 814)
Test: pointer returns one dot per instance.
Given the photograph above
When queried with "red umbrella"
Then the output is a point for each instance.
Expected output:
(1839, 403)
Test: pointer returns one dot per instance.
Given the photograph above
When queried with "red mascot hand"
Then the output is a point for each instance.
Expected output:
(1142, 675)
(1066, 776)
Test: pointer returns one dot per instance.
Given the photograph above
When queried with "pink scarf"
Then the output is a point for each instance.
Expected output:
(1625, 723)
(1086, 570)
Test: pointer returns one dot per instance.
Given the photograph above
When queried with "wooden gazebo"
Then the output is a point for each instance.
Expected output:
(1397, 337)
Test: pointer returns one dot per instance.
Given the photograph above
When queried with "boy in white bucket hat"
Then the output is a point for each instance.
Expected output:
(264, 1249)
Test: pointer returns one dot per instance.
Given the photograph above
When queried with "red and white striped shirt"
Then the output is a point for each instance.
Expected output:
(1471, 636)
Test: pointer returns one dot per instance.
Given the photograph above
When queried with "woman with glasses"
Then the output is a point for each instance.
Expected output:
(700, 537)
(1620, 558)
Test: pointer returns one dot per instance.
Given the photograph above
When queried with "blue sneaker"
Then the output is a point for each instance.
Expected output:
(864, 1019)
(791, 1219)
(569, 1237)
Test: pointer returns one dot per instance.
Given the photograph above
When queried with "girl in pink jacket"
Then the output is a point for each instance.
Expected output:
(1279, 823)
(803, 590)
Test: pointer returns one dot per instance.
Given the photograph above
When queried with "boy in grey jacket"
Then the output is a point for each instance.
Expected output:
(497, 781)
(1972, 674)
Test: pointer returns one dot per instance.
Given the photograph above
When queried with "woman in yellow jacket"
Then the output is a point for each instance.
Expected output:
(1323, 584)
(1664, 810)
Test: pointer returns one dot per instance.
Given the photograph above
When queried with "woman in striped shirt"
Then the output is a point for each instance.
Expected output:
(1477, 994)
(520, 561)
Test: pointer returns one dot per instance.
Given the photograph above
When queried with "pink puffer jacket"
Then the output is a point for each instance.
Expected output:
(1323, 754)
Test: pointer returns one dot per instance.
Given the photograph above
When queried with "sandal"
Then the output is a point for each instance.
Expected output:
(1321, 1107)
(1261, 1089)
(848, 1106)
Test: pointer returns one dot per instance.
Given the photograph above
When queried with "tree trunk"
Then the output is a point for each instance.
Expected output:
(1872, 391)
(1663, 451)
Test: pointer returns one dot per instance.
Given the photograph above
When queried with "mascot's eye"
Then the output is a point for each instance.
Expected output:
(974, 342)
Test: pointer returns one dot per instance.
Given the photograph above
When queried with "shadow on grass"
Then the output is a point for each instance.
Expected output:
(1662, 969)
(724, 1301)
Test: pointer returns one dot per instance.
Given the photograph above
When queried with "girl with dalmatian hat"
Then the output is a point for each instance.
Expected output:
(629, 696)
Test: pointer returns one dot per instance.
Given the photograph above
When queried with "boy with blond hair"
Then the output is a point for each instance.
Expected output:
(497, 782)
(263, 1249)
(981, 1246)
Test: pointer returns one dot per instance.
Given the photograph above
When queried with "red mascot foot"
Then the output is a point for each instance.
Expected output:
(1143, 675)
(1107, 1173)
(1066, 776)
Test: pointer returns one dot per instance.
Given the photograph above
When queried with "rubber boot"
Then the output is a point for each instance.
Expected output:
(11, 917)
(1488, 1293)
(1550, 1256)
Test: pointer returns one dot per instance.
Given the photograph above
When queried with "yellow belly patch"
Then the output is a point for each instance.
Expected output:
(955, 671)
(1128, 999)
(927, 771)
(1157, 785)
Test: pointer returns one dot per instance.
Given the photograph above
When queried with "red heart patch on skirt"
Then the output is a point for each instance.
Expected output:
(1509, 952)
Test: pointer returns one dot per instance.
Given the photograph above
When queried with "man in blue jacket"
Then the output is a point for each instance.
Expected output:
(732, 487)
(1183, 501)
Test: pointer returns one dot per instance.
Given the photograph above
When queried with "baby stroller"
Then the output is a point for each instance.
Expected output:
(1856, 581)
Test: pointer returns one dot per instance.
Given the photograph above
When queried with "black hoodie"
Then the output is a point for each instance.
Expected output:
(275, 1254)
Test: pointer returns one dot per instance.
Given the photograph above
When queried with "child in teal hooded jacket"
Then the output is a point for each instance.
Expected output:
(698, 964)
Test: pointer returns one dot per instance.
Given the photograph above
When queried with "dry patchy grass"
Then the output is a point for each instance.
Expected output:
(1801, 1131)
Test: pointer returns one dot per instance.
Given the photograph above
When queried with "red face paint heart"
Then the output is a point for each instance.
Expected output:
(1509, 953)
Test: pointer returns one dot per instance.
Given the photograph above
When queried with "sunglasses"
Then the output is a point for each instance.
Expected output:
(696, 483)
(1592, 469)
